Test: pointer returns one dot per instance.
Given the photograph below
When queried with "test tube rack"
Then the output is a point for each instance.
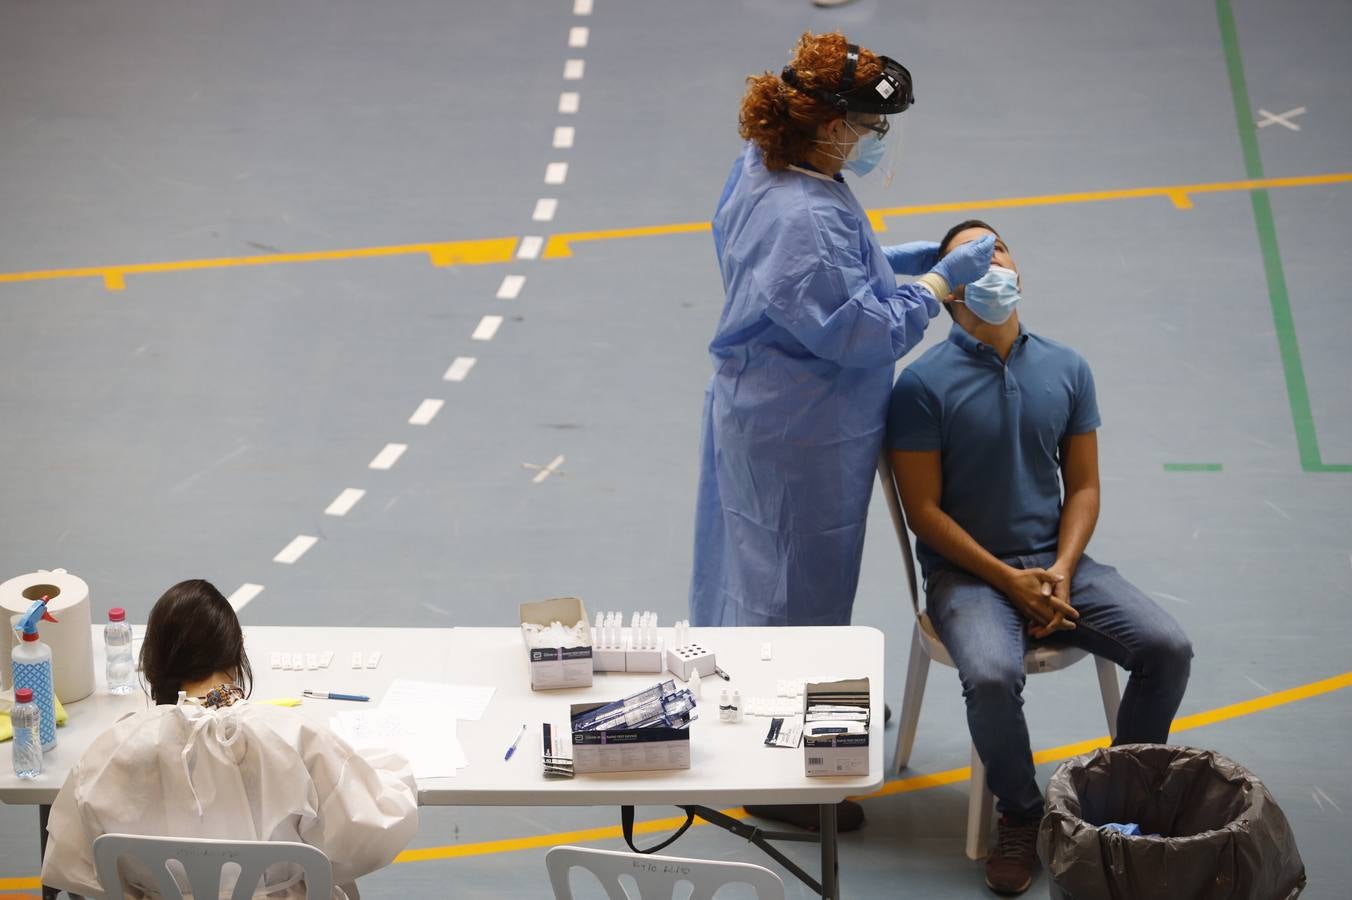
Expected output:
(637, 648)
(685, 661)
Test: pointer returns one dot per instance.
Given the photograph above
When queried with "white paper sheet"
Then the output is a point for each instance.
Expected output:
(456, 701)
(429, 744)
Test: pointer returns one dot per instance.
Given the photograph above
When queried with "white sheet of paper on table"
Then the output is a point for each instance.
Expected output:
(458, 701)
(430, 745)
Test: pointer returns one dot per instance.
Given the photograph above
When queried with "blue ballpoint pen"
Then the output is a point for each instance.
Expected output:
(330, 695)
(512, 749)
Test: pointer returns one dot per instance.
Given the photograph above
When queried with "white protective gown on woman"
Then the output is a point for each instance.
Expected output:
(243, 772)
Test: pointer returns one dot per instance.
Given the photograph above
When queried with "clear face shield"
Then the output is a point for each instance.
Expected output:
(877, 150)
(869, 109)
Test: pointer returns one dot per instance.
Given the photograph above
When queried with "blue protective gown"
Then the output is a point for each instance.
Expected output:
(795, 412)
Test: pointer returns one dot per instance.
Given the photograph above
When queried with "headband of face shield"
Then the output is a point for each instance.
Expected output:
(888, 94)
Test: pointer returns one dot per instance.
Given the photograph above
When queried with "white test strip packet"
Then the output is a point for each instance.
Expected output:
(372, 659)
(356, 659)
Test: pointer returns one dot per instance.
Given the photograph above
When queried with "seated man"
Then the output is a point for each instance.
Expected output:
(985, 429)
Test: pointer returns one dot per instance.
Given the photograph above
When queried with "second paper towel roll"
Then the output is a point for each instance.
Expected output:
(69, 637)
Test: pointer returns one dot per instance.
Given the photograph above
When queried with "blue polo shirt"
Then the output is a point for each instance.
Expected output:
(998, 427)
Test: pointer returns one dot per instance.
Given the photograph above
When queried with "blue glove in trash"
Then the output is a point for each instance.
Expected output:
(913, 258)
(967, 262)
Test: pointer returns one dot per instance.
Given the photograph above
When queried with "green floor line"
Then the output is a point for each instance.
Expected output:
(1297, 392)
(1192, 467)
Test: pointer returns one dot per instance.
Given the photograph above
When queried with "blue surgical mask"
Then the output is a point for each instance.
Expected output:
(993, 296)
(868, 152)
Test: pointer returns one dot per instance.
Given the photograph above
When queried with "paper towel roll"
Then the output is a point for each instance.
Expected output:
(69, 637)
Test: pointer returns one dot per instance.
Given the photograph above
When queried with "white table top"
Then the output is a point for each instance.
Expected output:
(729, 763)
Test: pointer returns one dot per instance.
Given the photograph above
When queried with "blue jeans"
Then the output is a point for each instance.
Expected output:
(986, 636)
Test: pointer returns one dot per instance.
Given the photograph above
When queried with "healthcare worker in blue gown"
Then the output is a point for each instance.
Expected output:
(805, 347)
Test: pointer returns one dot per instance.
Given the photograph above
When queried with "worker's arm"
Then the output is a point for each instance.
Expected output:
(919, 477)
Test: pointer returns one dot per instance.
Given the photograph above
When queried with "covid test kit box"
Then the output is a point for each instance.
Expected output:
(628, 749)
(552, 668)
(839, 713)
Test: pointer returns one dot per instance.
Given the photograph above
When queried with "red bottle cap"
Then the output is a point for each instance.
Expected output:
(117, 614)
(23, 695)
(30, 636)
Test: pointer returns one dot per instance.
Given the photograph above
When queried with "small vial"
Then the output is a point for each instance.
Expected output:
(694, 685)
(724, 707)
(735, 712)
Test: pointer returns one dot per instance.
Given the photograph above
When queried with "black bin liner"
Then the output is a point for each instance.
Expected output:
(1222, 834)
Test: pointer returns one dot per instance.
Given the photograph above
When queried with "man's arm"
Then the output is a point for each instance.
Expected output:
(919, 477)
(1079, 511)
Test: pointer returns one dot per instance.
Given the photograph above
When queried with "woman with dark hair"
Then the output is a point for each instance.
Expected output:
(204, 762)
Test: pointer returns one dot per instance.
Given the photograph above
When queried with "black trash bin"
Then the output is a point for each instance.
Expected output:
(1220, 833)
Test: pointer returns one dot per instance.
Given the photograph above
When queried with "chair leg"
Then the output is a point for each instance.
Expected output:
(1112, 697)
(917, 673)
(980, 809)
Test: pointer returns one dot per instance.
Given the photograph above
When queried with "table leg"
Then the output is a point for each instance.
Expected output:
(830, 870)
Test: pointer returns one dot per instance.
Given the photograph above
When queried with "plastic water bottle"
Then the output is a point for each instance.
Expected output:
(117, 642)
(27, 737)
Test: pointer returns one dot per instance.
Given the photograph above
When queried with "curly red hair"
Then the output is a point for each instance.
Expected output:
(783, 121)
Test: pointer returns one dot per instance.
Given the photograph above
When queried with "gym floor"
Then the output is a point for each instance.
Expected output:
(241, 244)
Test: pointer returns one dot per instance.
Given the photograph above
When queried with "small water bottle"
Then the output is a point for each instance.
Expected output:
(27, 737)
(117, 643)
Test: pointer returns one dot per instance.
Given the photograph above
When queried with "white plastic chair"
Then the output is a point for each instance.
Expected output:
(202, 861)
(926, 647)
(656, 876)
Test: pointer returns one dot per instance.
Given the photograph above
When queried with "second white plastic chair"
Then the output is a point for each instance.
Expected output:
(926, 647)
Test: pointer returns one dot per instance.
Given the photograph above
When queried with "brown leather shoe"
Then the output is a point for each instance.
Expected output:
(1013, 863)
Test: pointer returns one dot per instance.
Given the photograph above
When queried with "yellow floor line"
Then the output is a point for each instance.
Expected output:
(444, 253)
(900, 786)
(560, 246)
(20, 884)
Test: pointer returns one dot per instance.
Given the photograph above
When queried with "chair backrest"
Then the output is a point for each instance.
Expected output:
(202, 860)
(656, 876)
(893, 498)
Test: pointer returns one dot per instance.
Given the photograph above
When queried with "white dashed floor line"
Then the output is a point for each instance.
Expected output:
(343, 503)
(488, 326)
(556, 173)
(574, 69)
(243, 595)
(296, 549)
(511, 287)
(547, 470)
(530, 247)
(426, 412)
(459, 369)
(563, 137)
(582, 7)
(578, 36)
(545, 208)
(388, 456)
(569, 102)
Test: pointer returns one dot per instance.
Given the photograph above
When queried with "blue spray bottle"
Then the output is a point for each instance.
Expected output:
(32, 664)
